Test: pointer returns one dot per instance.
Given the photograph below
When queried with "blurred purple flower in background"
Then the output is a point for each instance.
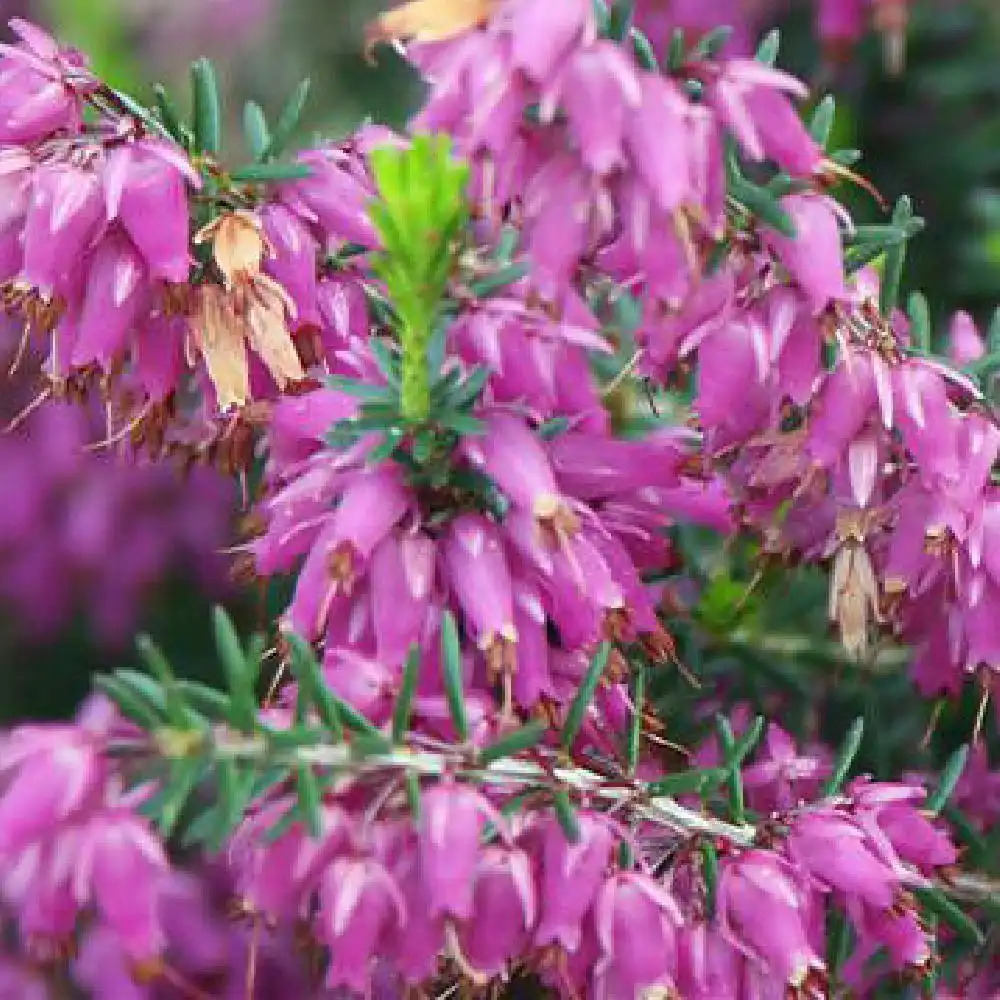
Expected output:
(180, 29)
(82, 531)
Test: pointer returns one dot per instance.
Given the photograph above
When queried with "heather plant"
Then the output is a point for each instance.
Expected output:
(545, 411)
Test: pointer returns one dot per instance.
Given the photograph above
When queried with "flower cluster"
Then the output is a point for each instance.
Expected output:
(606, 188)
(149, 270)
(73, 844)
(72, 839)
(455, 878)
(880, 463)
(537, 545)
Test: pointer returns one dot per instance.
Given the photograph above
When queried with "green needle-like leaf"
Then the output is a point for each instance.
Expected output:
(243, 703)
(182, 779)
(635, 724)
(677, 50)
(845, 757)
(515, 742)
(710, 873)
(687, 782)
(502, 278)
(734, 780)
(176, 710)
(451, 663)
(949, 779)
(767, 51)
(950, 912)
(920, 321)
(210, 702)
(368, 737)
(761, 203)
(168, 113)
(255, 129)
(620, 19)
(131, 704)
(307, 786)
(643, 50)
(288, 121)
(894, 259)
(207, 109)
(822, 120)
(404, 700)
(566, 815)
(993, 333)
(307, 673)
(265, 173)
(747, 742)
(584, 696)
(712, 43)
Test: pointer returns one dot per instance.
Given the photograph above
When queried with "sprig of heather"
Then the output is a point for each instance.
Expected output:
(498, 854)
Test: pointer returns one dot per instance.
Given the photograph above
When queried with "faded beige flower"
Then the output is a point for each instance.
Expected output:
(267, 308)
(219, 335)
(854, 597)
(428, 20)
(251, 310)
(239, 245)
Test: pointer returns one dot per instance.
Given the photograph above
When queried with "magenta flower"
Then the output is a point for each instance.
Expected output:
(539, 41)
(781, 776)
(572, 874)
(293, 261)
(965, 344)
(65, 215)
(545, 529)
(452, 817)
(77, 503)
(41, 85)
(415, 952)
(512, 457)
(898, 932)
(664, 170)
(474, 557)
(813, 255)
(709, 967)
(978, 790)
(895, 811)
(334, 197)
(119, 865)
(370, 505)
(104, 969)
(637, 922)
(840, 20)
(115, 295)
(764, 912)
(751, 100)
(838, 854)
(145, 187)
(361, 906)
(504, 910)
(403, 570)
(274, 877)
(50, 773)
(601, 76)
(558, 198)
